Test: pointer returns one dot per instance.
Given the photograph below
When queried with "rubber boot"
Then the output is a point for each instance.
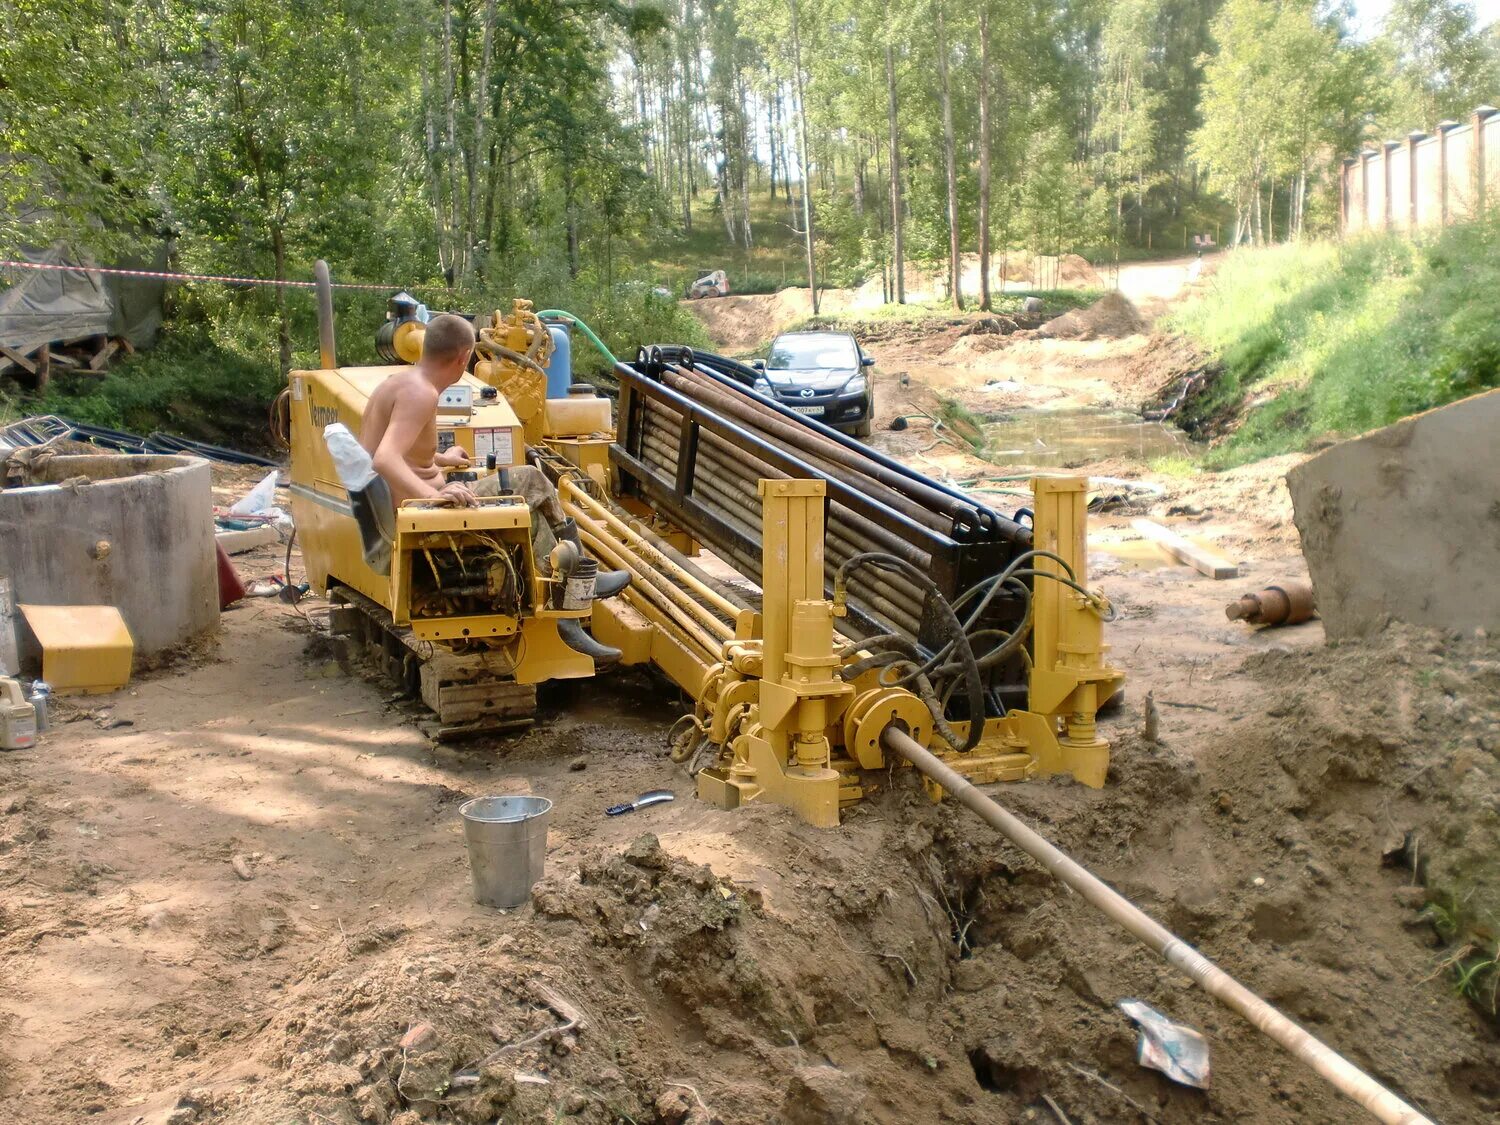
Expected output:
(610, 582)
(575, 638)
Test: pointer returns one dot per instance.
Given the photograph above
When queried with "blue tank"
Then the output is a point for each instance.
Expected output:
(560, 366)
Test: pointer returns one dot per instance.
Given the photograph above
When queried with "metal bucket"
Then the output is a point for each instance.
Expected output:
(507, 842)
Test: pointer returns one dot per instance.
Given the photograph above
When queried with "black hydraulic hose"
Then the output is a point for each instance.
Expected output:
(995, 582)
(973, 681)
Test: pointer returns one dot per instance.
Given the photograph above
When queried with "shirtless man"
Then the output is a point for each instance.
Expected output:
(400, 424)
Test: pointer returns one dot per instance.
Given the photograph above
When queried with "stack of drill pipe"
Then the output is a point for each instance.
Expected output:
(914, 499)
(729, 376)
(725, 476)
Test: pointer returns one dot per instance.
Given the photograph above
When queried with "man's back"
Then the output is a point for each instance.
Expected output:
(410, 401)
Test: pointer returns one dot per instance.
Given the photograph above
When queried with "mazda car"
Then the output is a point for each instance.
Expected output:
(825, 375)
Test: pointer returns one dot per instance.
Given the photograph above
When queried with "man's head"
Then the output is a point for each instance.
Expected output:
(446, 347)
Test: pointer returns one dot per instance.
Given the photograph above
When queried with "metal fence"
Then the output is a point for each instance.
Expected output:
(1428, 179)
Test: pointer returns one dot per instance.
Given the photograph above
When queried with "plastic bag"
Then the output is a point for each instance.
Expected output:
(1175, 1049)
(350, 459)
(259, 501)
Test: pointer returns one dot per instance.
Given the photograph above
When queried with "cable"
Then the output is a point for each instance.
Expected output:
(287, 565)
(973, 680)
(280, 421)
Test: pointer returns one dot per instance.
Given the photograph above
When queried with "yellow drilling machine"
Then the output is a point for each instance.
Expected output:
(807, 592)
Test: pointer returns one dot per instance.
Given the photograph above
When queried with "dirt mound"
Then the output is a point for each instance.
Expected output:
(740, 324)
(745, 323)
(966, 347)
(1075, 270)
(1390, 749)
(1112, 317)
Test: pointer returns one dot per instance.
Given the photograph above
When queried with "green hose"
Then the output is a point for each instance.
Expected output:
(563, 314)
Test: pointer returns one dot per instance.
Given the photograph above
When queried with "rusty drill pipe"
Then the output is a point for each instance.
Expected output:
(1286, 603)
(810, 441)
(827, 457)
(1344, 1076)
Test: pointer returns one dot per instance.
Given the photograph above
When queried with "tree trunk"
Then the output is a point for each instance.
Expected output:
(807, 212)
(984, 156)
(283, 325)
(481, 122)
(950, 158)
(459, 247)
(898, 248)
(570, 214)
(772, 132)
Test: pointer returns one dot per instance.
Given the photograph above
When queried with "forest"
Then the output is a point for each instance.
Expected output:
(577, 148)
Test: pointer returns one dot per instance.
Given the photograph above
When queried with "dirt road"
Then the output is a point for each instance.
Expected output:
(742, 967)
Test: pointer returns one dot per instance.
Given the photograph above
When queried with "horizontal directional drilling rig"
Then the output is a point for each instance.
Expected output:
(807, 592)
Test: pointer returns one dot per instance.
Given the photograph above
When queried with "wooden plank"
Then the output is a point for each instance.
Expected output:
(101, 357)
(43, 369)
(238, 542)
(18, 359)
(63, 360)
(1201, 559)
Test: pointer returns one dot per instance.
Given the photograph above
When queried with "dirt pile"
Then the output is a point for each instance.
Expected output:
(1112, 317)
(912, 967)
(1075, 271)
(739, 324)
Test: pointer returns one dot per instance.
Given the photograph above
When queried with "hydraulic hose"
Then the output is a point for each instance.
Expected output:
(576, 321)
(958, 638)
(1345, 1077)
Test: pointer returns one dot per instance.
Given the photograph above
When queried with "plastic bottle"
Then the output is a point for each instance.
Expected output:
(17, 717)
(350, 459)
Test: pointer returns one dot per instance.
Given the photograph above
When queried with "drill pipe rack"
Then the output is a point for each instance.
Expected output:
(862, 566)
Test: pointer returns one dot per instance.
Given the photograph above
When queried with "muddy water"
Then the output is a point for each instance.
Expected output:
(1077, 436)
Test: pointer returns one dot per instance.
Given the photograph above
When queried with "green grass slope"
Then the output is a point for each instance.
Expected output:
(1335, 339)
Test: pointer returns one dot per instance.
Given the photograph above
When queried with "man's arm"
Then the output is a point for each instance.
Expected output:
(410, 414)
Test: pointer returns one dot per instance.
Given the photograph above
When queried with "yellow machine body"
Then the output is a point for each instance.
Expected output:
(776, 718)
(524, 643)
(789, 730)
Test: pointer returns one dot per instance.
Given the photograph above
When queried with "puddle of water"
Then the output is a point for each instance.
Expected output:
(1060, 438)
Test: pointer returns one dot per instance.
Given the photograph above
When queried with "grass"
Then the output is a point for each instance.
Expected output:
(1472, 963)
(1175, 466)
(675, 258)
(190, 383)
(1328, 339)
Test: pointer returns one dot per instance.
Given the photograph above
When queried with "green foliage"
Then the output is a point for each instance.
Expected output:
(71, 165)
(1282, 93)
(1472, 960)
(191, 383)
(1442, 64)
(1326, 338)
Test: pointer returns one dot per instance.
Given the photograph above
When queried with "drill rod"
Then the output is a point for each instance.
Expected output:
(1345, 1077)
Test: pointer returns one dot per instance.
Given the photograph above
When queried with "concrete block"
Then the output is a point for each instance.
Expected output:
(1403, 523)
(134, 532)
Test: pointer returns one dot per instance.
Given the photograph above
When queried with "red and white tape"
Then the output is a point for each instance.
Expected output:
(161, 275)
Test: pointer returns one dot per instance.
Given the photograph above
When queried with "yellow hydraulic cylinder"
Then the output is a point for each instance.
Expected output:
(1069, 678)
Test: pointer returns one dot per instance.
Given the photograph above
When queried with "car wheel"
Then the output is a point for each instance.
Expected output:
(865, 428)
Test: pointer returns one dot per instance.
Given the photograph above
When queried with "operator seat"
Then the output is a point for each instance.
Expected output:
(375, 513)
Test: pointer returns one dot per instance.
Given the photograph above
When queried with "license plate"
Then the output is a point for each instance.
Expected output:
(808, 409)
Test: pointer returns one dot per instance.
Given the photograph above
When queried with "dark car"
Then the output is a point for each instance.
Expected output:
(824, 375)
